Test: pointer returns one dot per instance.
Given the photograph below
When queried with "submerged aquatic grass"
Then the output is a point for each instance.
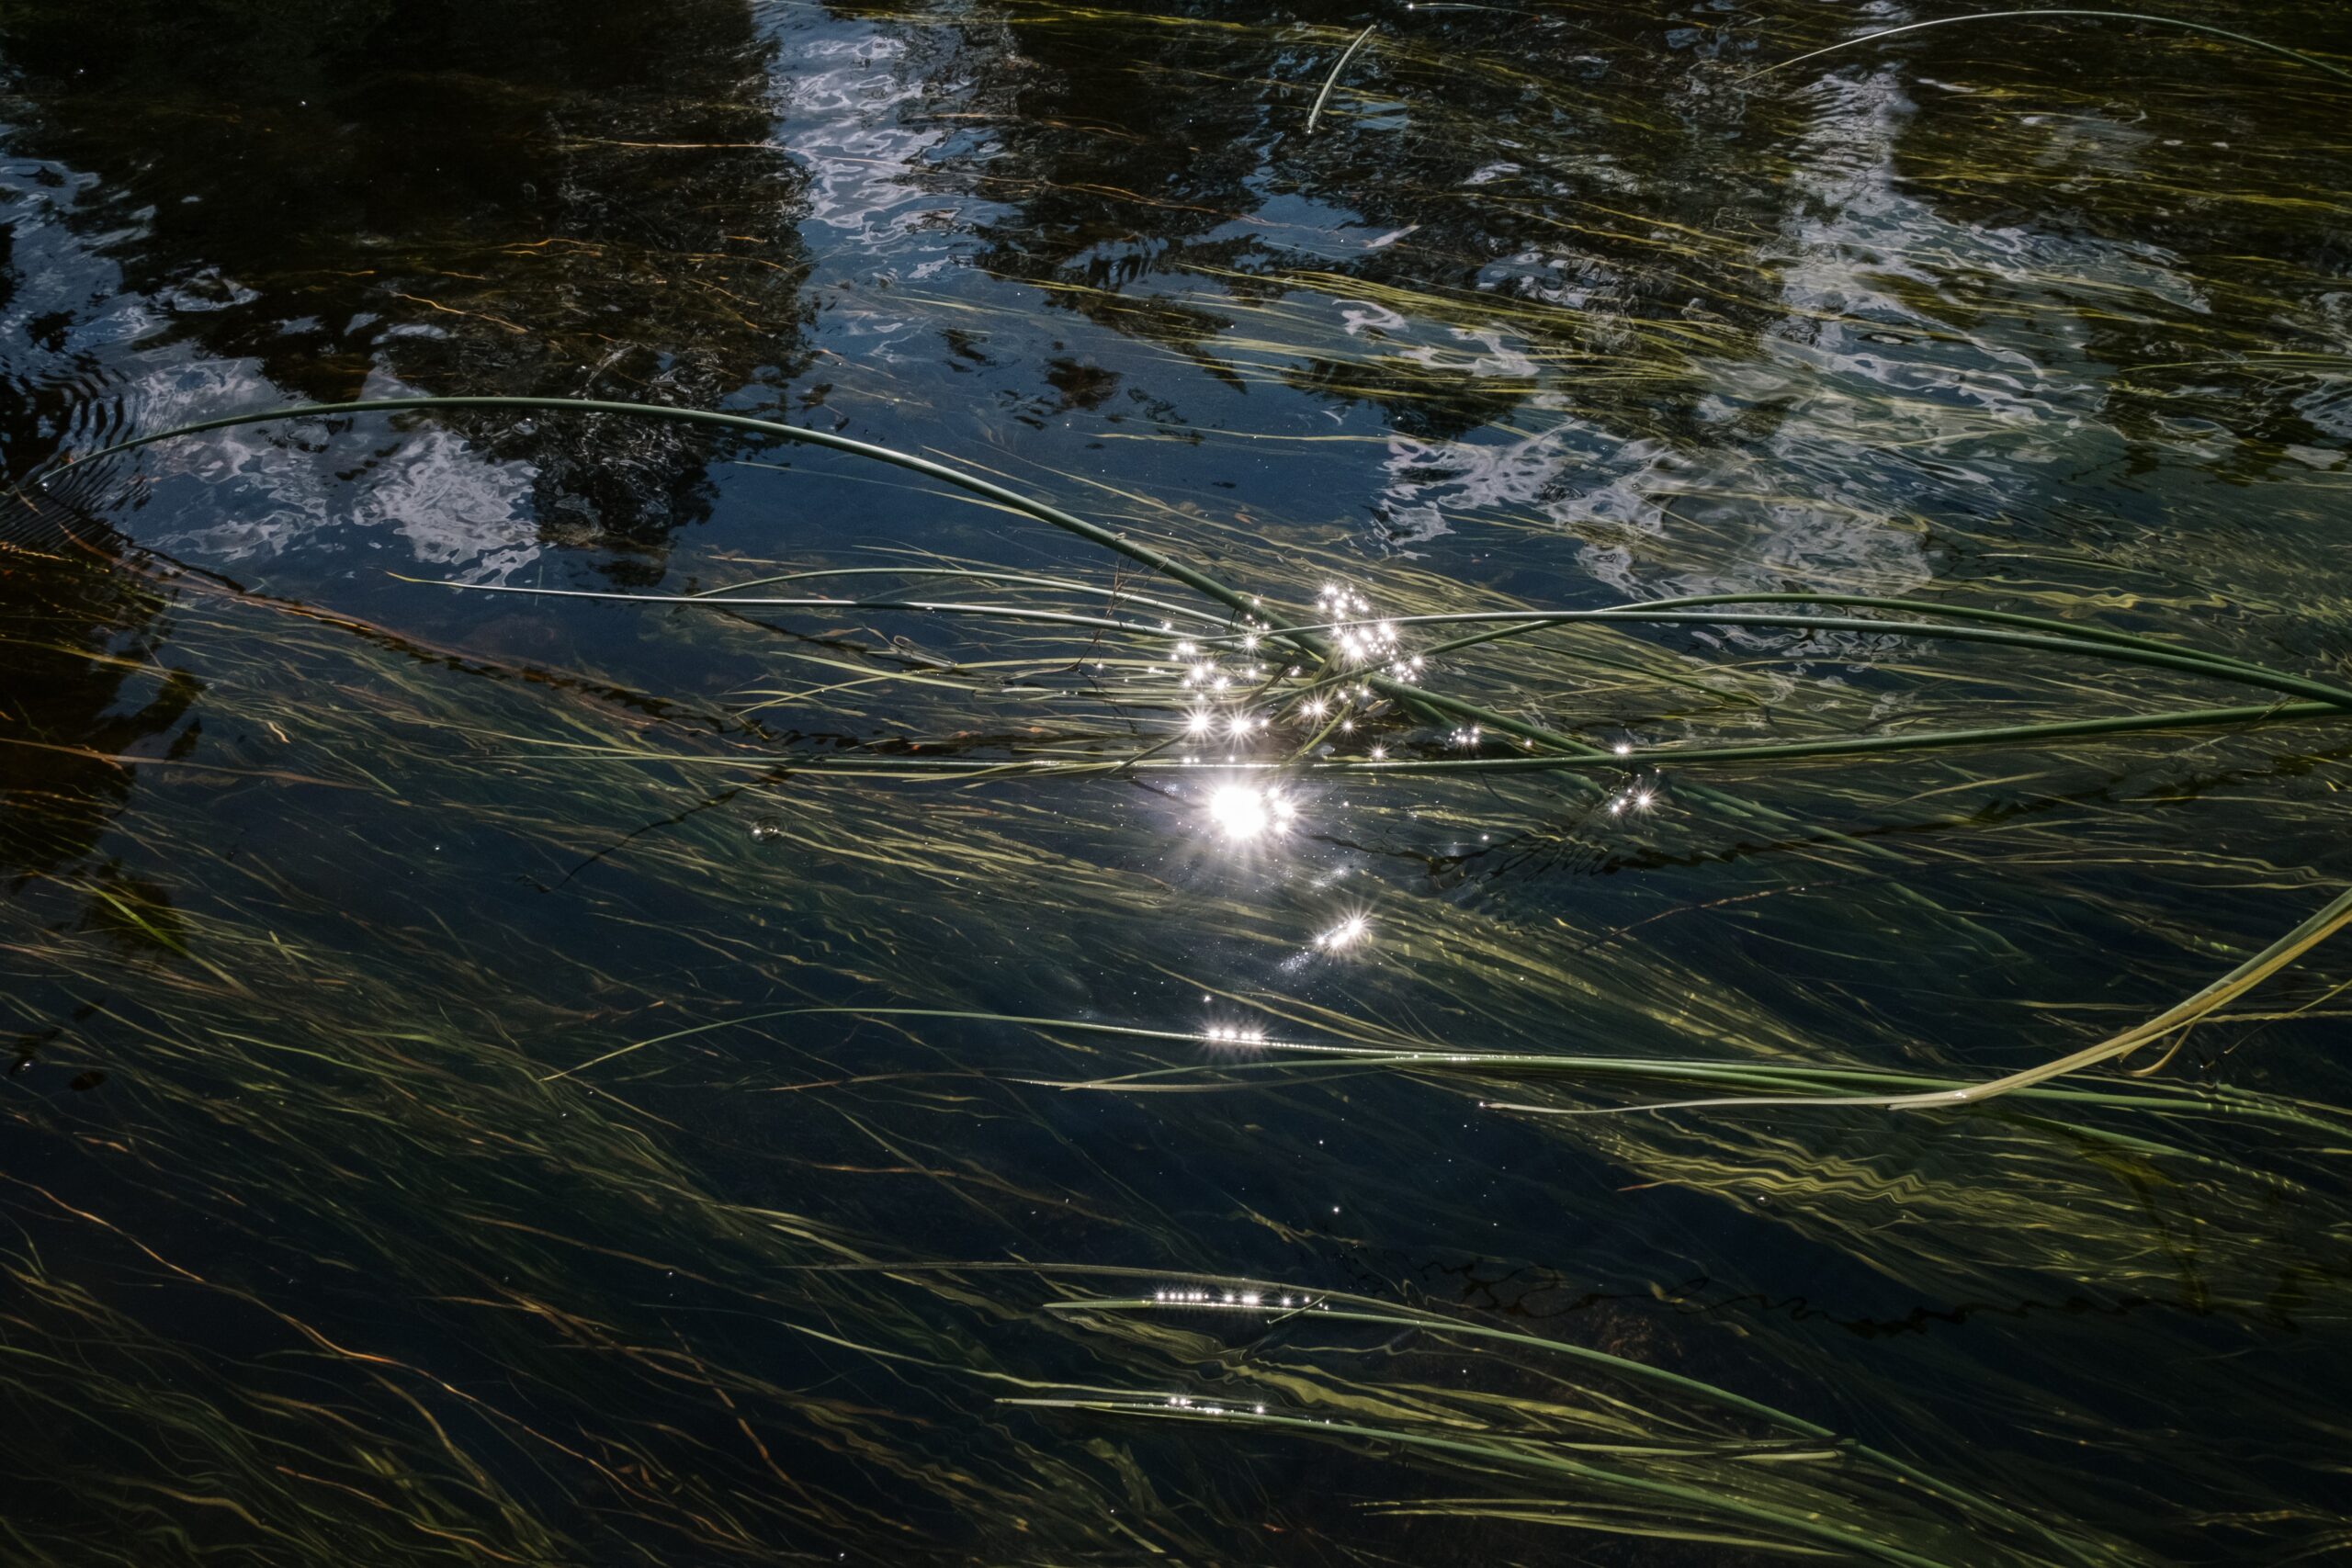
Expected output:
(1364, 648)
(559, 1049)
(434, 754)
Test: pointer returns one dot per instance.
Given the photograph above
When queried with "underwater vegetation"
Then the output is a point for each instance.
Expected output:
(1549, 793)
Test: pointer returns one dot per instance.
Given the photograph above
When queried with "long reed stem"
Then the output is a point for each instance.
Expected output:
(2056, 11)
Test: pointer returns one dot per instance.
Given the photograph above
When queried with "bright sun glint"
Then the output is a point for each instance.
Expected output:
(1243, 812)
(1350, 930)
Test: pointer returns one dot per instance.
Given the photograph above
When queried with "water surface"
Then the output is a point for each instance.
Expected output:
(485, 1087)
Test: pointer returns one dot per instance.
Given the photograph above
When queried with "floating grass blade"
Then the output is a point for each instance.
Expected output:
(2059, 11)
(1154, 758)
(1004, 579)
(2334, 917)
(2074, 630)
(2134, 652)
(2143, 1099)
(724, 600)
(1315, 114)
(773, 429)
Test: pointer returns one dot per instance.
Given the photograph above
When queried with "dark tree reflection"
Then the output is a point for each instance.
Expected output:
(85, 683)
(573, 199)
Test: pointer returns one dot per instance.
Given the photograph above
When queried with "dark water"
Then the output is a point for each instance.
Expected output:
(480, 1089)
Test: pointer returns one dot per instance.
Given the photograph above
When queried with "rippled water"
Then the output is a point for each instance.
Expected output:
(487, 1082)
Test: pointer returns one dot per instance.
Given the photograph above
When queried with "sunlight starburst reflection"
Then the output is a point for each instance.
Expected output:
(1351, 931)
(1245, 813)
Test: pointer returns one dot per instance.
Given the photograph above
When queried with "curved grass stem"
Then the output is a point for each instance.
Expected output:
(1315, 113)
(2116, 646)
(1094, 533)
(2207, 27)
(2334, 917)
